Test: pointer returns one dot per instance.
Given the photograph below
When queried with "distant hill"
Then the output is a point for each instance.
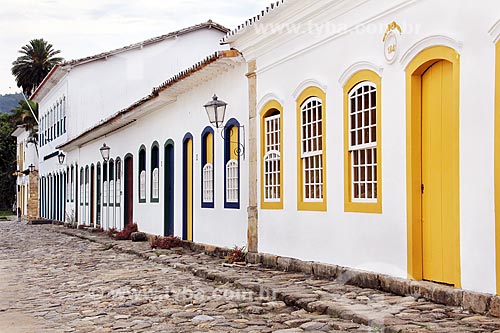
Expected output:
(9, 102)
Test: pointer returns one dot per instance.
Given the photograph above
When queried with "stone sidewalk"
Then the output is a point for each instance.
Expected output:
(381, 311)
(51, 282)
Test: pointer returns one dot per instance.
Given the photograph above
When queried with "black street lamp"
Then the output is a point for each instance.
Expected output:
(105, 152)
(61, 157)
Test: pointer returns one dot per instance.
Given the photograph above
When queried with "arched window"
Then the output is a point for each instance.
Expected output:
(72, 191)
(68, 185)
(312, 150)
(82, 194)
(207, 163)
(118, 185)
(142, 174)
(271, 166)
(155, 181)
(105, 186)
(362, 146)
(232, 164)
(111, 182)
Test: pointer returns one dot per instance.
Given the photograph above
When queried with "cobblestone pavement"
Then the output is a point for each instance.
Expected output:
(62, 283)
(58, 283)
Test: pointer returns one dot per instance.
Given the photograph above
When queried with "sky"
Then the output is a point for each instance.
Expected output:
(81, 28)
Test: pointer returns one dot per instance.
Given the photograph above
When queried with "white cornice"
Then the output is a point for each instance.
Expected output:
(262, 47)
(356, 67)
(266, 99)
(308, 83)
(495, 32)
(427, 42)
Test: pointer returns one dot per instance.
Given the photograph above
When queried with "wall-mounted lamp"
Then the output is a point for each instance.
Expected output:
(105, 152)
(31, 167)
(216, 110)
(61, 157)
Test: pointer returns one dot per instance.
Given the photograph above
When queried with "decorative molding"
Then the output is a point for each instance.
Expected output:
(427, 42)
(308, 83)
(267, 98)
(359, 66)
(495, 32)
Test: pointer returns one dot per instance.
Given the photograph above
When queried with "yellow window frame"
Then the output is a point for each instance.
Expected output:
(269, 106)
(349, 205)
(301, 204)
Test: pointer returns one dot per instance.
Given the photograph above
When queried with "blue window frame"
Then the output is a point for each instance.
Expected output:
(232, 164)
(207, 168)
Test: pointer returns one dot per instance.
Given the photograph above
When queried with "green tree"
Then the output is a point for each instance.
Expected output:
(37, 59)
(22, 115)
(7, 162)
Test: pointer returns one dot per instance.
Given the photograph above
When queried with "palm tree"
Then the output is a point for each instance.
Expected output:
(38, 58)
(22, 115)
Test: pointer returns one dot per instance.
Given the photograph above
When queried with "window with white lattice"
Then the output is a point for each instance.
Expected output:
(105, 188)
(87, 186)
(311, 130)
(363, 142)
(118, 184)
(111, 167)
(208, 183)
(272, 158)
(82, 189)
(142, 174)
(72, 184)
(142, 185)
(232, 181)
(155, 184)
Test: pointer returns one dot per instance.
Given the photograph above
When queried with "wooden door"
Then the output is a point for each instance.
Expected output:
(92, 195)
(168, 227)
(187, 219)
(440, 178)
(128, 191)
(98, 195)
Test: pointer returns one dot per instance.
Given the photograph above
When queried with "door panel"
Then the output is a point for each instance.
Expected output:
(128, 192)
(187, 232)
(440, 218)
(168, 228)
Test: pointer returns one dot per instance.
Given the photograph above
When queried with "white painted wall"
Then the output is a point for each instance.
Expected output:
(220, 226)
(378, 242)
(104, 87)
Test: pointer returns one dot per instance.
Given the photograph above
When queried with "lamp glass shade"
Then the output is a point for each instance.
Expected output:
(31, 167)
(105, 152)
(216, 110)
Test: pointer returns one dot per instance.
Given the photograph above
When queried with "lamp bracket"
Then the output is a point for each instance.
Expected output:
(240, 150)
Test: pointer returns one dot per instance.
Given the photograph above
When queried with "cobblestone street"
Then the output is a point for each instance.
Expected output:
(55, 282)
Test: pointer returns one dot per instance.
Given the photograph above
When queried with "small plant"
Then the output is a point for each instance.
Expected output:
(160, 242)
(112, 232)
(126, 232)
(236, 255)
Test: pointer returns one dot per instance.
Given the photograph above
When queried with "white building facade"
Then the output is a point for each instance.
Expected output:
(386, 110)
(79, 94)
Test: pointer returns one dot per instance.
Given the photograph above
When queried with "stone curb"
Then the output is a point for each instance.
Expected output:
(473, 301)
(476, 302)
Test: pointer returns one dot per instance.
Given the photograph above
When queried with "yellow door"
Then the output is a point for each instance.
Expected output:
(189, 151)
(440, 177)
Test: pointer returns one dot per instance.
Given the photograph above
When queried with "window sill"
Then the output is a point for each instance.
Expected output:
(363, 207)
